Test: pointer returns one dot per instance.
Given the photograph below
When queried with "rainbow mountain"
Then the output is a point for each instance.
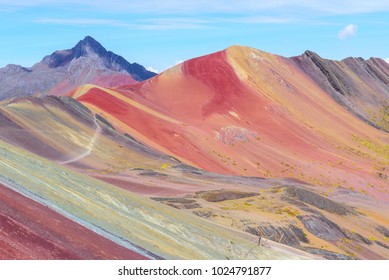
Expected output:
(201, 161)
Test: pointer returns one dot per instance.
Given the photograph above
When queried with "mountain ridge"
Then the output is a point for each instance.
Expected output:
(361, 86)
(87, 62)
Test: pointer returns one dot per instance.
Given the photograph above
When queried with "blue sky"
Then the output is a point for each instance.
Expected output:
(159, 34)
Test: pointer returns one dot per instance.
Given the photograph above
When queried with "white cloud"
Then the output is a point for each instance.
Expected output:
(150, 68)
(348, 31)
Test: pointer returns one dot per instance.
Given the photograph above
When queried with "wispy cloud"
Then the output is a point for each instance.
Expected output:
(254, 20)
(212, 7)
(81, 21)
(164, 23)
(348, 31)
(149, 24)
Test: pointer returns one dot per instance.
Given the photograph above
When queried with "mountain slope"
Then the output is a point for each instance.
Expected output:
(63, 131)
(362, 86)
(60, 72)
(78, 145)
(134, 222)
(245, 112)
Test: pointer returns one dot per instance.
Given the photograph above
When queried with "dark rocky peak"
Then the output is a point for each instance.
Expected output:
(87, 45)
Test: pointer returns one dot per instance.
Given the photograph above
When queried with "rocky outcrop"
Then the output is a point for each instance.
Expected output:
(289, 235)
(222, 195)
(319, 201)
(383, 230)
(321, 227)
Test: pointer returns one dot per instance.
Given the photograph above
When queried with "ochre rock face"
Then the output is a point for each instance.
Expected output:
(246, 112)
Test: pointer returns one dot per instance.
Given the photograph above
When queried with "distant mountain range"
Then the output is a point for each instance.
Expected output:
(62, 71)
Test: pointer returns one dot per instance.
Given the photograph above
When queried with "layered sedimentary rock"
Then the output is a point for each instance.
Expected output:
(362, 86)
